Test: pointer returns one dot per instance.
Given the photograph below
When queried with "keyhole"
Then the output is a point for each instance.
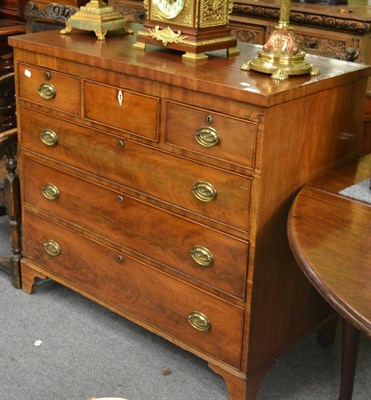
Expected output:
(209, 119)
(120, 97)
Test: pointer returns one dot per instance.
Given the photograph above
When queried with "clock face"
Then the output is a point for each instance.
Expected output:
(169, 9)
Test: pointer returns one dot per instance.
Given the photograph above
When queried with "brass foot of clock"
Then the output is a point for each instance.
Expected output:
(195, 56)
(96, 16)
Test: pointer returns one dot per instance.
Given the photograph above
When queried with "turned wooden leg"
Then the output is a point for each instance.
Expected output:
(29, 276)
(13, 207)
(349, 360)
(239, 386)
(327, 334)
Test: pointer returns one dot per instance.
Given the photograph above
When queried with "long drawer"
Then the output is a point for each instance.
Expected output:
(204, 254)
(212, 193)
(201, 320)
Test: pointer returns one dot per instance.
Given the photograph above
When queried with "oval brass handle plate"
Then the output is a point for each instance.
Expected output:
(49, 137)
(47, 91)
(50, 191)
(207, 136)
(202, 256)
(204, 191)
(199, 321)
(52, 248)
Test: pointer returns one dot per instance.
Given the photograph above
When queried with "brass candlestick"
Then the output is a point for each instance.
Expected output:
(98, 17)
(281, 56)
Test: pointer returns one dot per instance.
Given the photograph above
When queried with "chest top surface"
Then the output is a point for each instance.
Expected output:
(219, 75)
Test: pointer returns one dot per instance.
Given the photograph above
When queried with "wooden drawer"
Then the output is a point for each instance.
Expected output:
(192, 249)
(135, 288)
(212, 134)
(128, 111)
(60, 91)
(143, 169)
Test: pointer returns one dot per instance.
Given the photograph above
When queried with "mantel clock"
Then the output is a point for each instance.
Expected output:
(191, 26)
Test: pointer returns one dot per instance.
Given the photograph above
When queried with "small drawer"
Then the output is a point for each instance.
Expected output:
(203, 254)
(49, 88)
(131, 112)
(212, 193)
(212, 134)
(202, 321)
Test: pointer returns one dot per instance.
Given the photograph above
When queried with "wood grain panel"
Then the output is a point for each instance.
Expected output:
(136, 289)
(237, 138)
(141, 168)
(125, 111)
(148, 231)
(67, 88)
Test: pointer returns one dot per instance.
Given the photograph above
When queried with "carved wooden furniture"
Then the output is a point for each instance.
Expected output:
(161, 189)
(7, 92)
(330, 235)
(10, 202)
(74, 3)
(12, 9)
(52, 16)
(8, 28)
(9, 181)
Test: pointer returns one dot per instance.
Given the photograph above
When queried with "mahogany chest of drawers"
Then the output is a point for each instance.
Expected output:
(160, 189)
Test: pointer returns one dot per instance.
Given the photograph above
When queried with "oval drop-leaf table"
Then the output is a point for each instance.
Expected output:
(330, 236)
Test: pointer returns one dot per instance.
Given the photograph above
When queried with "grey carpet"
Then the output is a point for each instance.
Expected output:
(360, 191)
(86, 351)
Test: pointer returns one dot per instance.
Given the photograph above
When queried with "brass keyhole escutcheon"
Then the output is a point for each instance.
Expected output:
(209, 119)
(120, 258)
(120, 144)
(199, 321)
(49, 137)
(204, 191)
(120, 199)
(52, 248)
(207, 136)
(202, 256)
(47, 91)
(47, 75)
(50, 191)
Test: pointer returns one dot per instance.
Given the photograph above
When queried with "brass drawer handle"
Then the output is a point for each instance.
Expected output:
(52, 248)
(47, 91)
(50, 191)
(204, 191)
(202, 256)
(207, 136)
(49, 137)
(199, 321)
